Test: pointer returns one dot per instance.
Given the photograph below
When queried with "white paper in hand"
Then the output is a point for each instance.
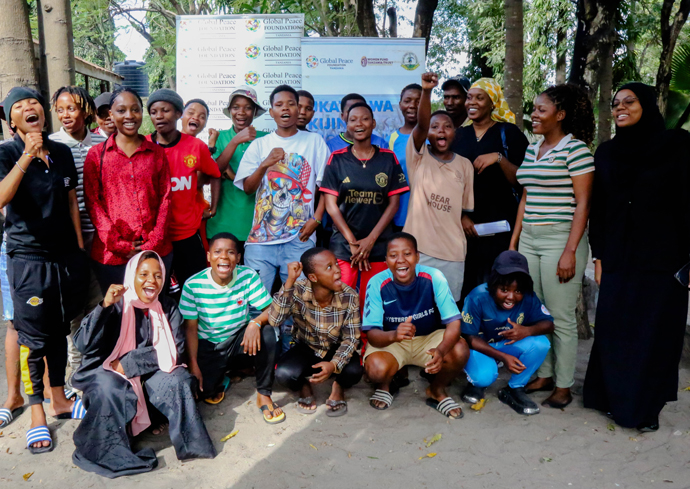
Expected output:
(490, 228)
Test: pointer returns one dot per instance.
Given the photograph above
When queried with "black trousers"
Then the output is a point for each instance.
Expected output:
(189, 257)
(108, 275)
(101, 439)
(296, 365)
(215, 359)
(481, 253)
(47, 295)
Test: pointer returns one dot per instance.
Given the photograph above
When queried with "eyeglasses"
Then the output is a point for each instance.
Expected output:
(623, 104)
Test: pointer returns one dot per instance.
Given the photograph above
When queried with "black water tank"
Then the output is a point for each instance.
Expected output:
(135, 76)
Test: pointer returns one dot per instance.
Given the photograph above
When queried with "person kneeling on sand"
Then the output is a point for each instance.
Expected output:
(411, 319)
(504, 321)
(215, 305)
(326, 330)
(133, 347)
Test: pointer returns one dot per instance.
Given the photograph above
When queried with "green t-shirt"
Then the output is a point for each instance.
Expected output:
(221, 311)
(235, 211)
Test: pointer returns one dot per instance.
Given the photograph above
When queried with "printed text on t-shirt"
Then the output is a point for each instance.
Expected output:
(440, 203)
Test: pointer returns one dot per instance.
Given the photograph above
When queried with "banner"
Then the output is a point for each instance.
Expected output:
(218, 53)
(377, 68)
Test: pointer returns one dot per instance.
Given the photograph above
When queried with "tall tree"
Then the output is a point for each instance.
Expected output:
(514, 61)
(670, 30)
(17, 61)
(366, 18)
(424, 19)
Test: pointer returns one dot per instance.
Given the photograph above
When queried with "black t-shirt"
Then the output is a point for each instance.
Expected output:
(494, 196)
(363, 192)
(38, 217)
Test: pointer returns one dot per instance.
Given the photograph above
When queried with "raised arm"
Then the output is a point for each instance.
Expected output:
(421, 130)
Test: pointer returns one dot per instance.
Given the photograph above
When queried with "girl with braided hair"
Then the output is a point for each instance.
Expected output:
(557, 176)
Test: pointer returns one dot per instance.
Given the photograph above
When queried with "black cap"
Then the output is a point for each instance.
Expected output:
(510, 262)
(165, 95)
(103, 99)
(462, 81)
(17, 94)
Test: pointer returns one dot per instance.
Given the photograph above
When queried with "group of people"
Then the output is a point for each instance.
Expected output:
(454, 246)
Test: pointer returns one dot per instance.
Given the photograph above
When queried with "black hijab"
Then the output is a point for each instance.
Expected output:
(630, 140)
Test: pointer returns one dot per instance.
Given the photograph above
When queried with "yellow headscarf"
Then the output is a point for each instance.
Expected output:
(501, 111)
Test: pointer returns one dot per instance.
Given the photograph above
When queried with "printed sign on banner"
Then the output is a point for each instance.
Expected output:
(218, 53)
(376, 68)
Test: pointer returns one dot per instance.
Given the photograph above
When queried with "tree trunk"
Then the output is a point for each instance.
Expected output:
(514, 58)
(595, 19)
(366, 19)
(423, 19)
(605, 93)
(58, 47)
(669, 36)
(17, 61)
(561, 38)
(393, 21)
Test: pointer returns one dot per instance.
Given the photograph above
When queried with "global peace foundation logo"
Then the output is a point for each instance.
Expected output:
(409, 61)
(252, 25)
(251, 78)
(252, 51)
(312, 61)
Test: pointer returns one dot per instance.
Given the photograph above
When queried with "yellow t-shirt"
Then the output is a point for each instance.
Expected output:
(439, 192)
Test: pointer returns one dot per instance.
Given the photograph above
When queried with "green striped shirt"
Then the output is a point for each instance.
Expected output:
(222, 311)
(549, 182)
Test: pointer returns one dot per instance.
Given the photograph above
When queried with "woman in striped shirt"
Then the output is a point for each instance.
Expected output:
(557, 176)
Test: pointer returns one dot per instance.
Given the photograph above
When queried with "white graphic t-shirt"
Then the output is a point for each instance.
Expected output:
(285, 197)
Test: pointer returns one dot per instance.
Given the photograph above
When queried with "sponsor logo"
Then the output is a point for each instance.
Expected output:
(240, 302)
(182, 183)
(312, 61)
(466, 318)
(364, 61)
(252, 78)
(545, 310)
(189, 161)
(67, 180)
(381, 179)
(252, 25)
(376, 62)
(385, 303)
(521, 318)
(347, 180)
(410, 62)
(35, 301)
(402, 178)
(252, 51)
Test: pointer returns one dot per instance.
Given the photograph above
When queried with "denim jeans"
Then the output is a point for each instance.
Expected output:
(269, 259)
(7, 305)
(482, 370)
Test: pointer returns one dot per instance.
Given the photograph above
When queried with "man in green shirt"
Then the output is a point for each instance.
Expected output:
(235, 209)
(215, 305)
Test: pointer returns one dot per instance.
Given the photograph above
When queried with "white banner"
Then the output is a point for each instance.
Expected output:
(376, 68)
(218, 53)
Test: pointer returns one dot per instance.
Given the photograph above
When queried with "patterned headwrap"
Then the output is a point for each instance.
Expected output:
(501, 112)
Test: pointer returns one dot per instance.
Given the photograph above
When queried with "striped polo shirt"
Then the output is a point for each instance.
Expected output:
(79, 151)
(549, 183)
(222, 310)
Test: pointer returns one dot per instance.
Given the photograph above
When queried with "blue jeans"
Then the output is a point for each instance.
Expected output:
(482, 370)
(7, 304)
(269, 259)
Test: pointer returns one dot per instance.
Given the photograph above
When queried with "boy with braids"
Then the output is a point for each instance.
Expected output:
(76, 110)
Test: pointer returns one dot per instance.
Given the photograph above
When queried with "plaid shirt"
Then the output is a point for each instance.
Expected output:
(320, 327)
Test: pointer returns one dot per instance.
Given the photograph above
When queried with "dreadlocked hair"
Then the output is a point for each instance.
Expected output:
(81, 98)
(579, 116)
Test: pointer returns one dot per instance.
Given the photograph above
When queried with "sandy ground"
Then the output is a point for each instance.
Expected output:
(494, 448)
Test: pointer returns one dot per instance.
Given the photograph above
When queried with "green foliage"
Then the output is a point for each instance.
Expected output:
(678, 105)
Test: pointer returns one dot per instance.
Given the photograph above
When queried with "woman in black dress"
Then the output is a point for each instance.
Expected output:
(641, 176)
(496, 148)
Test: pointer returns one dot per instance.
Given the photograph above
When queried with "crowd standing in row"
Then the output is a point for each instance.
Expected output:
(454, 246)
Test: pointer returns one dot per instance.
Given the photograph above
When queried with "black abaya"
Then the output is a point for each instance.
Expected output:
(640, 230)
(102, 440)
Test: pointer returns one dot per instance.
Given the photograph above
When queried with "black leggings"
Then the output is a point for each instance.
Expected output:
(296, 365)
(189, 257)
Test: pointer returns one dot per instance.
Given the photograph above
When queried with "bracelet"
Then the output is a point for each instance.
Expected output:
(500, 158)
(20, 167)
(212, 149)
(252, 321)
(317, 221)
(28, 154)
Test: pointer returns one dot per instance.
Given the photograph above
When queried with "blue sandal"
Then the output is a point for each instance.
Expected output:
(78, 411)
(39, 434)
(7, 416)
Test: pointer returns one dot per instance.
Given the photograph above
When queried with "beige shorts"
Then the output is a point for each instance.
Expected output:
(410, 352)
